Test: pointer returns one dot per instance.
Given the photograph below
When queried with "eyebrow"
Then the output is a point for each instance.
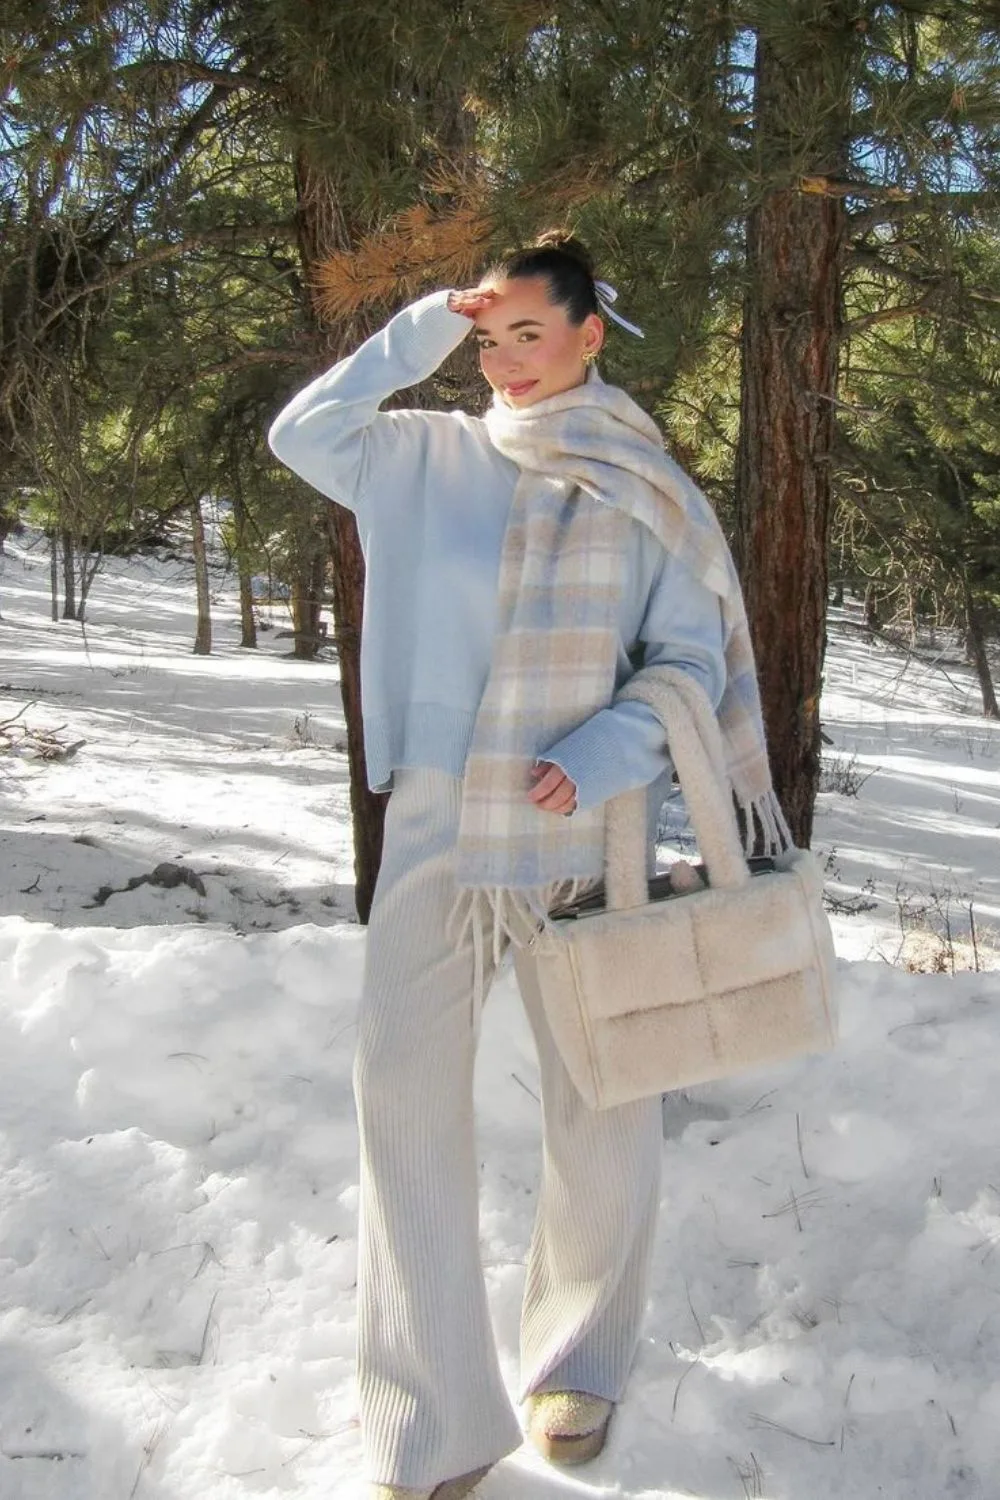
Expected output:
(522, 323)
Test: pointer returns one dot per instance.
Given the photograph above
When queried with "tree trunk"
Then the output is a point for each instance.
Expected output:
(307, 602)
(54, 572)
(347, 567)
(203, 630)
(90, 566)
(872, 619)
(248, 625)
(317, 588)
(976, 643)
(321, 231)
(69, 576)
(791, 324)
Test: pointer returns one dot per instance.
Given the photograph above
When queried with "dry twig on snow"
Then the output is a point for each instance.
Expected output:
(20, 738)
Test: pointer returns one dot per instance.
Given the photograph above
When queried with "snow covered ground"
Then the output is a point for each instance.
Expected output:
(177, 1143)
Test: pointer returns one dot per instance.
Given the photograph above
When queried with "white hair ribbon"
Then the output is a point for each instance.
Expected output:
(606, 295)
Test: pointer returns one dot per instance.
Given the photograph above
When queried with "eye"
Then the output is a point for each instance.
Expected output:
(527, 338)
(485, 343)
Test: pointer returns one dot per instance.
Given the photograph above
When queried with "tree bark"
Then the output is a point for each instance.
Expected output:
(322, 231)
(976, 643)
(54, 572)
(248, 625)
(69, 576)
(89, 567)
(872, 619)
(317, 590)
(307, 600)
(348, 572)
(790, 343)
(203, 630)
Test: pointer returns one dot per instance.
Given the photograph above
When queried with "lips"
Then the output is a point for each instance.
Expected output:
(520, 387)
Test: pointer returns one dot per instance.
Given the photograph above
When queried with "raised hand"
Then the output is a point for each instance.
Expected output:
(473, 301)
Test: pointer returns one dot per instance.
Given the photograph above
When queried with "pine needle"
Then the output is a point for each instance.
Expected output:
(443, 245)
(697, 1320)
(798, 1137)
(801, 1437)
(419, 247)
(677, 1388)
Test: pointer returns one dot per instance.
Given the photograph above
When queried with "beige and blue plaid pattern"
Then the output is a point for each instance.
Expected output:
(561, 579)
(591, 462)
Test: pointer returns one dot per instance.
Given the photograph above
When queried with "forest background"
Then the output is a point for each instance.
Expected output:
(202, 205)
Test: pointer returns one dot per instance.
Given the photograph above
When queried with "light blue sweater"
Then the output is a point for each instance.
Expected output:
(431, 495)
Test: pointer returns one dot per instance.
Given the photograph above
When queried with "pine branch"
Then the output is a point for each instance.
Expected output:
(886, 315)
(851, 187)
(150, 176)
(422, 245)
(964, 204)
(222, 234)
(63, 157)
(257, 357)
(861, 255)
(187, 70)
(417, 248)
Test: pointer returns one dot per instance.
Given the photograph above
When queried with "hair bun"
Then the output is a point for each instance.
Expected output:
(567, 244)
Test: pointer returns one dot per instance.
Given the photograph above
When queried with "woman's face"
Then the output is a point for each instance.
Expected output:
(528, 348)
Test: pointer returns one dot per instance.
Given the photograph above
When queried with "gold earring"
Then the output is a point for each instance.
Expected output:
(590, 356)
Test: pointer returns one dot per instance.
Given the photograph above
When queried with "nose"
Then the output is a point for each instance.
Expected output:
(509, 362)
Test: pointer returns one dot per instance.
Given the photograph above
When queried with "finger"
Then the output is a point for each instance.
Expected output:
(550, 782)
(471, 301)
(560, 797)
(564, 795)
(563, 801)
(538, 774)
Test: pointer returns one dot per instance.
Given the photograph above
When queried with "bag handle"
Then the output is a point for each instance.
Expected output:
(695, 743)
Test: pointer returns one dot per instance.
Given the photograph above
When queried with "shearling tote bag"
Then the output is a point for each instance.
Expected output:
(647, 991)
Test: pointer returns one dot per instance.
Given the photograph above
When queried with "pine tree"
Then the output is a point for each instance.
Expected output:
(787, 194)
(371, 103)
(866, 108)
(919, 462)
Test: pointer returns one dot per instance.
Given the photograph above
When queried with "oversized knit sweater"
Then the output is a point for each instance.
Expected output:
(431, 496)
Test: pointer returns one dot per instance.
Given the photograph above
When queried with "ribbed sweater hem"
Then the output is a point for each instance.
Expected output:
(431, 736)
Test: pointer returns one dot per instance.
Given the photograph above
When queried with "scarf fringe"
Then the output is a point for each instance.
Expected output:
(498, 915)
(762, 815)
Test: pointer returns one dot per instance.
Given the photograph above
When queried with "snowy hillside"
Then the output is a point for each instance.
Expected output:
(177, 1142)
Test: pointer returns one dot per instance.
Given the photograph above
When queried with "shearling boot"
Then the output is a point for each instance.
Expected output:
(569, 1427)
(451, 1489)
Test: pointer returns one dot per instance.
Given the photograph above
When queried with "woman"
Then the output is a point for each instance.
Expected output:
(512, 586)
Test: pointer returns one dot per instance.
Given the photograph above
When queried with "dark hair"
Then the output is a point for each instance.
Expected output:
(566, 265)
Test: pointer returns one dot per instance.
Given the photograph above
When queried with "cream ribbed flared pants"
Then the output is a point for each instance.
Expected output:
(433, 1404)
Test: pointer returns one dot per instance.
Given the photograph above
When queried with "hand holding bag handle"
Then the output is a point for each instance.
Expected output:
(647, 995)
(695, 745)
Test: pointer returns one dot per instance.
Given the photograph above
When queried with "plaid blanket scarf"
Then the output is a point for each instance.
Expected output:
(591, 462)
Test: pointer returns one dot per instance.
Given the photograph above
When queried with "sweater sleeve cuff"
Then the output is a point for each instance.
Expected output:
(614, 751)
